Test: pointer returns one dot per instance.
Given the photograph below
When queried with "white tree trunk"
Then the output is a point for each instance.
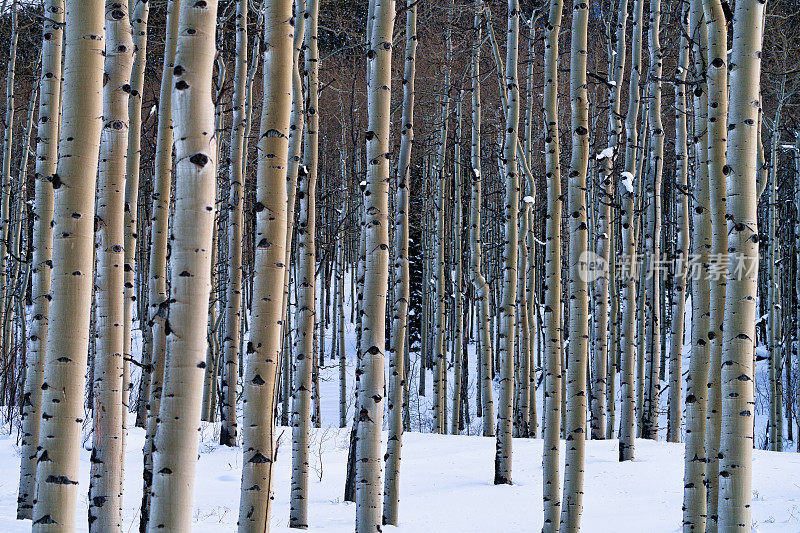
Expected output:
(71, 289)
(505, 408)
(552, 287)
(738, 402)
(105, 489)
(177, 437)
(263, 351)
(694, 493)
(376, 211)
(627, 212)
(717, 79)
(476, 255)
(578, 286)
(157, 275)
(402, 295)
(233, 298)
(46, 160)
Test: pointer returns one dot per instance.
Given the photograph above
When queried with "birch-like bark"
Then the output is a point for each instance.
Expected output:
(773, 312)
(552, 287)
(603, 248)
(159, 229)
(262, 356)
(340, 272)
(628, 215)
(376, 273)
(305, 314)
(717, 80)
(738, 402)
(457, 330)
(476, 252)
(530, 240)
(652, 237)
(105, 478)
(6, 191)
(578, 287)
(681, 201)
(233, 298)
(797, 248)
(296, 125)
(505, 408)
(522, 394)
(402, 290)
(190, 270)
(440, 180)
(694, 494)
(70, 307)
(139, 20)
(46, 160)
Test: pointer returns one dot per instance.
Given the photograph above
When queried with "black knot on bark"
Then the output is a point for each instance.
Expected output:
(199, 159)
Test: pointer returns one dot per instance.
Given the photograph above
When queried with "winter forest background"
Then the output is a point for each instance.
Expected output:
(400, 265)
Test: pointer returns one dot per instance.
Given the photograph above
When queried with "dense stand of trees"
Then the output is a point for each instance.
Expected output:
(547, 216)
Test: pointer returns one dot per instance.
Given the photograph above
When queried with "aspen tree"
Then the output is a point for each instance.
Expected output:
(628, 215)
(578, 287)
(376, 212)
(305, 314)
(773, 313)
(476, 253)
(603, 246)
(797, 248)
(105, 489)
(296, 125)
(458, 309)
(717, 80)
(190, 267)
(681, 201)
(46, 160)
(233, 298)
(738, 402)
(139, 19)
(402, 295)
(503, 458)
(159, 228)
(533, 269)
(440, 300)
(694, 494)
(6, 187)
(70, 307)
(552, 289)
(340, 272)
(263, 351)
(652, 237)
(523, 386)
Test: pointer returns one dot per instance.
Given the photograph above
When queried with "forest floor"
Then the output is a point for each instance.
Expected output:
(445, 480)
(446, 485)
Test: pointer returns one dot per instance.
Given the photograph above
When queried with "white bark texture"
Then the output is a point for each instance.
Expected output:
(397, 361)
(71, 289)
(738, 402)
(46, 161)
(376, 211)
(262, 356)
(505, 408)
(233, 298)
(175, 453)
(551, 431)
(105, 478)
(476, 252)
(578, 287)
(717, 80)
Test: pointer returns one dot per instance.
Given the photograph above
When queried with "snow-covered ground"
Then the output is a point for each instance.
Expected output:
(446, 481)
(446, 484)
